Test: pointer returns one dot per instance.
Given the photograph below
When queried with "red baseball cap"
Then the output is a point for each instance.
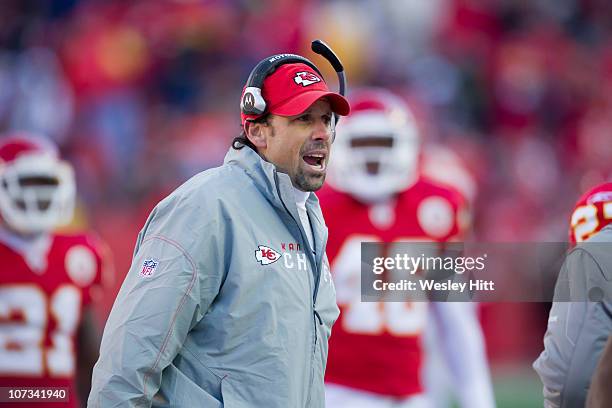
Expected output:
(292, 88)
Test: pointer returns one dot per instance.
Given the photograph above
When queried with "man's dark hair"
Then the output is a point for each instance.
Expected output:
(242, 139)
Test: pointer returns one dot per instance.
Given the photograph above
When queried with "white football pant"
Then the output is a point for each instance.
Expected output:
(337, 396)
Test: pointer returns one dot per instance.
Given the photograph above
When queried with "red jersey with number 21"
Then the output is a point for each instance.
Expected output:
(40, 311)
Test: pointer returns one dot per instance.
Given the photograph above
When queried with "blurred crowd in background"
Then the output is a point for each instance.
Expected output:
(512, 97)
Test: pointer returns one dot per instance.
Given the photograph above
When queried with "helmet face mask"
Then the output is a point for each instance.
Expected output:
(376, 150)
(37, 190)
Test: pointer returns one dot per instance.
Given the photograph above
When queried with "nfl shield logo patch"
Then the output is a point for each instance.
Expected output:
(148, 267)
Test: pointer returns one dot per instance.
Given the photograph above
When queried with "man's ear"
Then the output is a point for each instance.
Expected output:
(256, 133)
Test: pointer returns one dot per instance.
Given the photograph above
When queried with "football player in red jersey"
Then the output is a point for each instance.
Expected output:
(377, 195)
(592, 212)
(47, 333)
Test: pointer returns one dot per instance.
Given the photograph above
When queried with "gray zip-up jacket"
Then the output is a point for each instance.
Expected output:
(578, 330)
(225, 304)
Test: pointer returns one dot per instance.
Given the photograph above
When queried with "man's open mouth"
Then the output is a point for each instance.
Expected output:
(316, 160)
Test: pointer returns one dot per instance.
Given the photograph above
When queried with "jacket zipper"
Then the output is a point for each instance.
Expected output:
(315, 313)
(319, 268)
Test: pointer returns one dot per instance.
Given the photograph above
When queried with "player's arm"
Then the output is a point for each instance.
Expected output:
(89, 331)
(155, 309)
(88, 344)
(600, 393)
(575, 329)
(464, 352)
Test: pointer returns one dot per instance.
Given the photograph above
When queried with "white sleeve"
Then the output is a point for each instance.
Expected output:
(462, 344)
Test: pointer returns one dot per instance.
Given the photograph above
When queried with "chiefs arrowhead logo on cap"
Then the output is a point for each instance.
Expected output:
(306, 78)
(266, 255)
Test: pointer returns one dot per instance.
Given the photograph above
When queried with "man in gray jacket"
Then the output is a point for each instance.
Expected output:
(229, 301)
(580, 320)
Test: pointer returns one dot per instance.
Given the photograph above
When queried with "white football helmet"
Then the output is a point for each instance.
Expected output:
(377, 146)
(37, 189)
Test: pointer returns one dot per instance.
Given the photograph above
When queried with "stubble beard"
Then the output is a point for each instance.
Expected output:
(305, 182)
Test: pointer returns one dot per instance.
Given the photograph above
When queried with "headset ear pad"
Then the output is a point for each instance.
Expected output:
(252, 102)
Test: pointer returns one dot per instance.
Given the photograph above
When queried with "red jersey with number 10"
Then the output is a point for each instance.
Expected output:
(40, 312)
(376, 347)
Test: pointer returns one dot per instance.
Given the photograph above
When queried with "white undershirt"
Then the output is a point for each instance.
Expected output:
(300, 200)
(33, 249)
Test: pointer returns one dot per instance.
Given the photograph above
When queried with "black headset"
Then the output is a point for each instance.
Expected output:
(253, 103)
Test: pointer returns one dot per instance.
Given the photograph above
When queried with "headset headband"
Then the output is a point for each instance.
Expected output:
(268, 65)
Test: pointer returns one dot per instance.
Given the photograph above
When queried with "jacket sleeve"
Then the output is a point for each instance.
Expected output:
(165, 293)
(600, 393)
(576, 333)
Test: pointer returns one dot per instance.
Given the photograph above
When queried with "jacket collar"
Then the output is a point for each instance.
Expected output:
(278, 190)
(274, 185)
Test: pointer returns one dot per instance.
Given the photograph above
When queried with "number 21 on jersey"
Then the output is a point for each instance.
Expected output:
(25, 315)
